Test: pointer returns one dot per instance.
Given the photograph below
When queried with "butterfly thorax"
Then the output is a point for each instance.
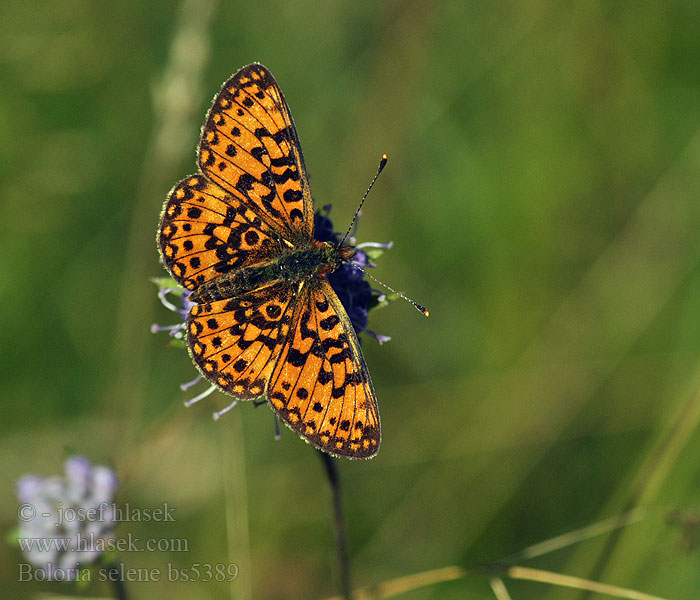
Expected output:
(294, 264)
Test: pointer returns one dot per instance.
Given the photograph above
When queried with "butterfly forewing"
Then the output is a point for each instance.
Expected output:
(249, 146)
(320, 385)
(206, 232)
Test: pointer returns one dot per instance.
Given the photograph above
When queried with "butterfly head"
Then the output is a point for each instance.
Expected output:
(345, 253)
(333, 256)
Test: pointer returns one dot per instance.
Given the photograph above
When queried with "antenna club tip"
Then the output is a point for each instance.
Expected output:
(421, 309)
(385, 157)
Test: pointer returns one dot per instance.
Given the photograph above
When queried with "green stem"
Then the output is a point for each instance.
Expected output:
(338, 523)
(119, 586)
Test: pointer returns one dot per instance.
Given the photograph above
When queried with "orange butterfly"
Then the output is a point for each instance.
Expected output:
(239, 235)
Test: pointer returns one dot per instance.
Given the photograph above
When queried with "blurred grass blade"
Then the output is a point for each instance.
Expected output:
(499, 589)
(527, 574)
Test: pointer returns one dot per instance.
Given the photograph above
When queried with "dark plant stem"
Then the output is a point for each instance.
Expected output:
(339, 524)
(114, 576)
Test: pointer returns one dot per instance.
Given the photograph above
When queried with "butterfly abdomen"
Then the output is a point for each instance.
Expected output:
(233, 284)
(292, 266)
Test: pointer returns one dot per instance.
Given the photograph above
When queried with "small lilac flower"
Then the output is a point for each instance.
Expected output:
(166, 288)
(182, 308)
(66, 523)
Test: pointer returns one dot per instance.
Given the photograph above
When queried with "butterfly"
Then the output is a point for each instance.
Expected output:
(239, 235)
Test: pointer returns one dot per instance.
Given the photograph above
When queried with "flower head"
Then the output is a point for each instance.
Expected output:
(66, 521)
(354, 292)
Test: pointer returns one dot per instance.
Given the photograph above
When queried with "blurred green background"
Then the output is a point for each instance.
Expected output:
(542, 196)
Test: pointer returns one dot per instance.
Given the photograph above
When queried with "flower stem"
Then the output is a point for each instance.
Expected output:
(114, 576)
(338, 523)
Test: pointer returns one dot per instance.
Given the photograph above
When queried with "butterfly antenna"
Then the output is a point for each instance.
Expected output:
(382, 164)
(419, 307)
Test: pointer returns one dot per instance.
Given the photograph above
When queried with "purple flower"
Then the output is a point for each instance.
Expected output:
(354, 292)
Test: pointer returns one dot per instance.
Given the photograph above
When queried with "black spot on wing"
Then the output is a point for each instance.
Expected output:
(329, 323)
(292, 196)
(296, 358)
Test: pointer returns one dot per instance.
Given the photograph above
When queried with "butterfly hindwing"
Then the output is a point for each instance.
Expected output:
(250, 146)
(205, 232)
(320, 385)
(236, 342)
